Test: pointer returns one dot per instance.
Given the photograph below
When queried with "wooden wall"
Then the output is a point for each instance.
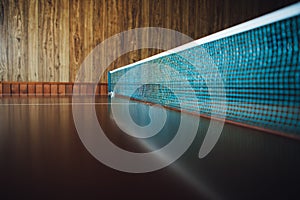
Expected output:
(47, 40)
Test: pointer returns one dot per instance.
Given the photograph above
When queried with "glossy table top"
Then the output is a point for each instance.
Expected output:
(42, 157)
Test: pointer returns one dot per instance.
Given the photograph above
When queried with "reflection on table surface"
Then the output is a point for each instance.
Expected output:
(42, 156)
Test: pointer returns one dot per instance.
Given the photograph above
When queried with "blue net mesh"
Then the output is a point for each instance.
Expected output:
(259, 68)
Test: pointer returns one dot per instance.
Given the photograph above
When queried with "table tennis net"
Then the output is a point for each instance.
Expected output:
(259, 73)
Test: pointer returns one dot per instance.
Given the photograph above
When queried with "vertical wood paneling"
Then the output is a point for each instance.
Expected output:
(175, 15)
(16, 41)
(120, 26)
(4, 6)
(99, 23)
(206, 19)
(75, 38)
(185, 8)
(126, 25)
(191, 23)
(133, 16)
(111, 29)
(47, 41)
(61, 41)
(145, 15)
(32, 48)
(157, 10)
(81, 38)
(88, 43)
(168, 12)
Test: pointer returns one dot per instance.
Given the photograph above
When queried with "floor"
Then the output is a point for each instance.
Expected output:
(42, 157)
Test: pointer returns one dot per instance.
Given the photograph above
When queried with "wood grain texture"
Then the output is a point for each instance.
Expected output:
(33, 35)
(61, 41)
(88, 40)
(112, 27)
(81, 39)
(76, 41)
(3, 40)
(145, 22)
(17, 41)
(99, 24)
(47, 41)
(157, 10)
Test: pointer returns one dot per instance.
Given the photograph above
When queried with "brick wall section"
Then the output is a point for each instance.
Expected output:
(39, 90)
(51, 89)
(15, 89)
(6, 89)
(90, 89)
(23, 89)
(46, 89)
(31, 89)
(69, 89)
(76, 89)
(54, 90)
(62, 90)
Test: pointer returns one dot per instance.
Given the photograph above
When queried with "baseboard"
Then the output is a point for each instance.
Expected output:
(51, 89)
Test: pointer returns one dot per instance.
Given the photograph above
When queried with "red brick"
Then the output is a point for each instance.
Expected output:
(90, 89)
(97, 91)
(6, 89)
(62, 89)
(15, 89)
(31, 89)
(23, 89)
(54, 90)
(39, 89)
(76, 89)
(103, 89)
(69, 89)
(83, 88)
(47, 89)
(0, 89)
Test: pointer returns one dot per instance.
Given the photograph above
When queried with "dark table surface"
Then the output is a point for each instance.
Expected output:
(42, 157)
